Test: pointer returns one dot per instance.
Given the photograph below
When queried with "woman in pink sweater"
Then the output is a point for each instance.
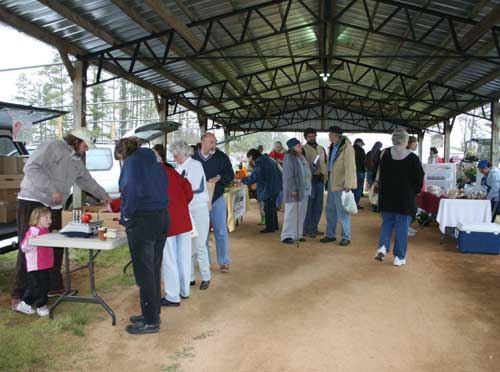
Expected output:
(39, 260)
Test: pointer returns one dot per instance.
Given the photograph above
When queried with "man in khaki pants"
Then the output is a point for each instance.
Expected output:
(342, 177)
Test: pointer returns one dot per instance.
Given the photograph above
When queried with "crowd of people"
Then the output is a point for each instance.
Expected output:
(168, 212)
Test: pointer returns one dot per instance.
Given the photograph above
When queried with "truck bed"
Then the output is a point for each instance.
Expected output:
(7, 231)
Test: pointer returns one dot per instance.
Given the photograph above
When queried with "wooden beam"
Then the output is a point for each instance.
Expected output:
(481, 28)
(164, 12)
(67, 63)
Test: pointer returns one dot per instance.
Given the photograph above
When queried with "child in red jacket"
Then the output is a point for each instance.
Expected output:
(39, 261)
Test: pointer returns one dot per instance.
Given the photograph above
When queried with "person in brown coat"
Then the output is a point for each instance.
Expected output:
(341, 177)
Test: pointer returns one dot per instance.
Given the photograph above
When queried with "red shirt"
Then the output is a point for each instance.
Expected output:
(180, 193)
(277, 155)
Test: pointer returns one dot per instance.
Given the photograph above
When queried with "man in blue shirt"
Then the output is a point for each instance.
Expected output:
(492, 182)
(218, 171)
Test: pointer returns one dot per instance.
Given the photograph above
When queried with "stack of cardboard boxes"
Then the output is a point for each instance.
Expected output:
(11, 175)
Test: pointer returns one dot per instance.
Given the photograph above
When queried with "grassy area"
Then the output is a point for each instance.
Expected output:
(30, 343)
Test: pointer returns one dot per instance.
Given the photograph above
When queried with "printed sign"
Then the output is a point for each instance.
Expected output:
(22, 127)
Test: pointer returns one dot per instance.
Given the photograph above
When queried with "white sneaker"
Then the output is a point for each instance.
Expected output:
(411, 230)
(411, 233)
(24, 308)
(42, 311)
(399, 261)
(382, 251)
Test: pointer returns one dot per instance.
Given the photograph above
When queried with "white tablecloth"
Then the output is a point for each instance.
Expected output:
(454, 211)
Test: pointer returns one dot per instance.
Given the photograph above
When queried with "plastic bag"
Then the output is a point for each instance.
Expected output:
(348, 202)
(373, 195)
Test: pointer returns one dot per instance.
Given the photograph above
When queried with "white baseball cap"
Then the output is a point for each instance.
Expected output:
(84, 135)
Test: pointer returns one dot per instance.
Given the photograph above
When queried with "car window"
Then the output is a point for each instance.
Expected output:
(7, 147)
(99, 159)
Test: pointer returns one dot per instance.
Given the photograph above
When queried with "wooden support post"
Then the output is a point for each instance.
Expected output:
(421, 144)
(203, 122)
(226, 141)
(447, 134)
(495, 134)
(79, 107)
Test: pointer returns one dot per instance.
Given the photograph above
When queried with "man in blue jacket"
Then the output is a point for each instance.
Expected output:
(269, 179)
(219, 171)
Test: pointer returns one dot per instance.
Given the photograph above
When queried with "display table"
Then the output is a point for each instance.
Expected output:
(237, 204)
(57, 240)
(428, 202)
(455, 211)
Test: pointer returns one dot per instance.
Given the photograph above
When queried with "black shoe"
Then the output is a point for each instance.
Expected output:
(344, 242)
(167, 303)
(184, 297)
(266, 231)
(192, 284)
(320, 233)
(140, 328)
(360, 207)
(204, 284)
(312, 236)
(302, 239)
(326, 239)
(288, 241)
(140, 318)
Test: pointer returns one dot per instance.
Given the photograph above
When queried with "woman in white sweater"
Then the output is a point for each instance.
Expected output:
(198, 207)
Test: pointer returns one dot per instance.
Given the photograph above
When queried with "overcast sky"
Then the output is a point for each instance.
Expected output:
(20, 50)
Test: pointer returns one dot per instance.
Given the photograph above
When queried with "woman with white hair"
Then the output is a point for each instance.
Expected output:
(198, 207)
(399, 180)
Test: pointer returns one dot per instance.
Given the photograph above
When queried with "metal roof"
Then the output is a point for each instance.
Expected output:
(258, 65)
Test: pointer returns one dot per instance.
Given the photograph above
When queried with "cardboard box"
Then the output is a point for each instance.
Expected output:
(10, 181)
(8, 195)
(7, 212)
(111, 220)
(21, 162)
(67, 216)
(8, 164)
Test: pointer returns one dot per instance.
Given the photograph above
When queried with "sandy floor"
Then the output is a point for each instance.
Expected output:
(321, 307)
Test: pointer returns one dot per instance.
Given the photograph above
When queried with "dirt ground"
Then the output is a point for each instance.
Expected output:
(320, 307)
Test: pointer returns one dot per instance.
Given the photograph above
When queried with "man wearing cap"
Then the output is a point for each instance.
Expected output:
(316, 157)
(491, 180)
(342, 177)
(49, 174)
(360, 157)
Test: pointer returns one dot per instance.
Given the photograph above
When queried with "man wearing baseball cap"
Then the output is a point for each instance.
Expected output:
(49, 174)
(491, 181)
(341, 177)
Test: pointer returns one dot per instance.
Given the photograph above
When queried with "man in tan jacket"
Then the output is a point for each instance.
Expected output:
(316, 156)
(341, 177)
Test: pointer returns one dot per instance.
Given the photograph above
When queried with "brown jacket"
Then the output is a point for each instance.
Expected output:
(343, 174)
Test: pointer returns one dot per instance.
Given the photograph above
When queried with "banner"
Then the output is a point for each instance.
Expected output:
(239, 203)
(22, 127)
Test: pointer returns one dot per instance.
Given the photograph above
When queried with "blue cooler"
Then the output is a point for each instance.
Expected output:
(479, 238)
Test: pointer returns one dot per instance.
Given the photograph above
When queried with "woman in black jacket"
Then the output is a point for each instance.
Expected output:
(400, 179)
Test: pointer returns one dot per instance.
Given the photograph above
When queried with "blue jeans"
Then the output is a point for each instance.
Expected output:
(398, 223)
(359, 190)
(218, 219)
(334, 212)
(314, 207)
(370, 178)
